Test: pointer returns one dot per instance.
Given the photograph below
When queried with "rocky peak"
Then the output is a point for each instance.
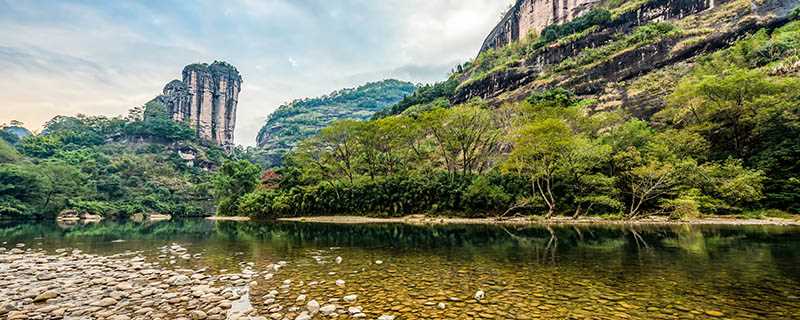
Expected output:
(206, 99)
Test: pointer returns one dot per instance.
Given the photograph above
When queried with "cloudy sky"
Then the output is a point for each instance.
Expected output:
(105, 57)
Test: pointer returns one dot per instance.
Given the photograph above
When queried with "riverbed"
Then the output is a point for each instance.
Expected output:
(200, 269)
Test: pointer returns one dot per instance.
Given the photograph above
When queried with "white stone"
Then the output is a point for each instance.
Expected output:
(312, 306)
(327, 309)
(480, 295)
(354, 310)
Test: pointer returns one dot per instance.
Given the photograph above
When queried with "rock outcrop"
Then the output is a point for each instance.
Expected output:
(531, 16)
(626, 71)
(206, 99)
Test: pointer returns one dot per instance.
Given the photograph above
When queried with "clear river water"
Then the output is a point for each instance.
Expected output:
(434, 272)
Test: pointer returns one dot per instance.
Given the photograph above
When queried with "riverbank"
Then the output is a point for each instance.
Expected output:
(67, 283)
(429, 220)
(37, 285)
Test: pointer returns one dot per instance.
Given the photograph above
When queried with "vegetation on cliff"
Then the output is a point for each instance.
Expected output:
(300, 119)
(143, 163)
(724, 143)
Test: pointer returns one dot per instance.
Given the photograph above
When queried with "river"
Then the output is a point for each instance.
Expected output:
(436, 272)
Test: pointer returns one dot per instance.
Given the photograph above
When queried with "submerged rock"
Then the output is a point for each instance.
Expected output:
(350, 298)
(312, 306)
(479, 295)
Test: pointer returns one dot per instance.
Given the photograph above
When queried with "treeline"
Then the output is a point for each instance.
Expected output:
(726, 143)
(106, 166)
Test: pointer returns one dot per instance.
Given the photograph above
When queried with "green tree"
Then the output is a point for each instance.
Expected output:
(465, 136)
(724, 106)
(541, 151)
(231, 182)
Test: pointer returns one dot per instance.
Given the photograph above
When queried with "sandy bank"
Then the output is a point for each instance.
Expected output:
(225, 218)
(424, 220)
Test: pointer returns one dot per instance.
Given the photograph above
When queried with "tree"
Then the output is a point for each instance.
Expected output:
(20, 189)
(233, 180)
(649, 181)
(541, 150)
(723, 106)
(62, 182)
(340, 143)
(589, 187)
(465, 135)
(8, 153)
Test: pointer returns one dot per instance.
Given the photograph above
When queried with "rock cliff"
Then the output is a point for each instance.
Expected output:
(206, 99)
(630, 59)
(531, 16)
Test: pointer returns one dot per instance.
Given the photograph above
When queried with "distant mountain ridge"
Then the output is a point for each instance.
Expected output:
(299, 119)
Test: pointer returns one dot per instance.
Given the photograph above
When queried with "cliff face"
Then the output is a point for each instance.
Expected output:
(206, 99)
(531, 16)
(618, 62)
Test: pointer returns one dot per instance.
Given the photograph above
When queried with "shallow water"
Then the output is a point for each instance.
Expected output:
(605, 272)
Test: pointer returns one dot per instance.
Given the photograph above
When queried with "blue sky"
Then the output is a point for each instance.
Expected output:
(105, 57)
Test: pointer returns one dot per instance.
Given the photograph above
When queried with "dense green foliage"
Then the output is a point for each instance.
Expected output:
(107, 166)
(300, 119)
(724, 144)
(13, 132)
(424, 95)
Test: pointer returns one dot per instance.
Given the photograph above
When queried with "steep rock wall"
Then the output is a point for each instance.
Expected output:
(531, 16)
(524, 76)
(206, 99)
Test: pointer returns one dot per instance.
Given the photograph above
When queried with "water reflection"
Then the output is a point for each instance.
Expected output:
(550, 272)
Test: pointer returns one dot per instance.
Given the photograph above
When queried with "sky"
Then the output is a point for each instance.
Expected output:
(106, 57)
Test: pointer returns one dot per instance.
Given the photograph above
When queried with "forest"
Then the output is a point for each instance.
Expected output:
(725, 143)
(113, 167)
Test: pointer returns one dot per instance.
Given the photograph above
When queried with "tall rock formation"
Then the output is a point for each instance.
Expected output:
(531, 16)
(206, 99)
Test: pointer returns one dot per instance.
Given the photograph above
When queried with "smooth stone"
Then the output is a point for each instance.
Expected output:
(714, 313)
(303, 316)
(350, 298)
(44, 296)
(327, 309)
(105, 302)
(354, 310)
(312, 306)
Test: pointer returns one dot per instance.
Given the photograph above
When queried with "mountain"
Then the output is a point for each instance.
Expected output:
(629, 109)
(206, 100)
(622, 53)
(299, 119)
